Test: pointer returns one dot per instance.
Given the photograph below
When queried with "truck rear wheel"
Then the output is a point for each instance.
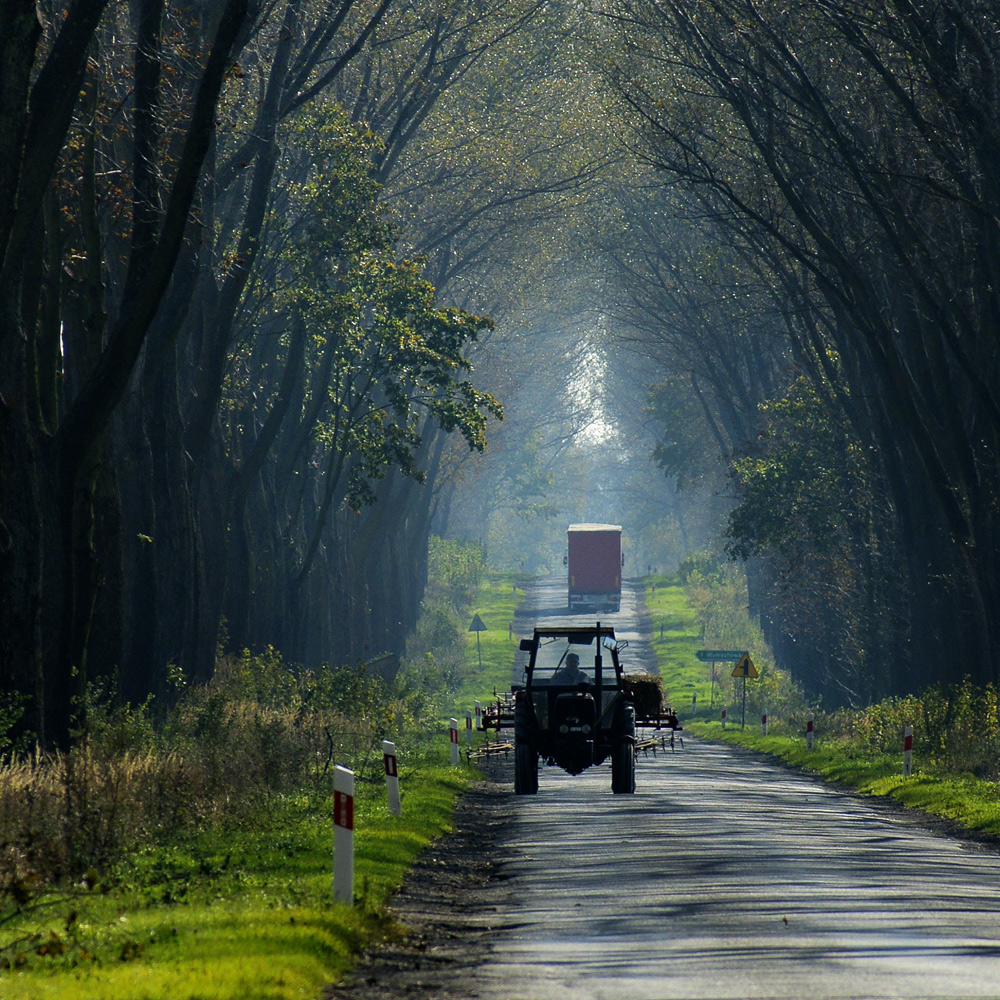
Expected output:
(525, 770)
(623, 769)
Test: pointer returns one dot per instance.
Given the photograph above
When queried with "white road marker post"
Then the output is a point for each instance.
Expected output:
(468, 725)
(479, 717)
(453, 736)
(694, 703)
(343, 835)
(809, 731)
(392, 777)
(763, 724)
(908, 751)
(723, 718)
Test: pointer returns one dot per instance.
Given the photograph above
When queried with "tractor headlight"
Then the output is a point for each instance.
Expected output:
(564, 729)
(586, 728)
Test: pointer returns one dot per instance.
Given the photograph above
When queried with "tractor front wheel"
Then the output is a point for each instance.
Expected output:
(525, 770)
(623, 769)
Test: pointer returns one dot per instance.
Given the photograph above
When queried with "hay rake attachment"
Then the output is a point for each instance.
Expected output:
(653, 731)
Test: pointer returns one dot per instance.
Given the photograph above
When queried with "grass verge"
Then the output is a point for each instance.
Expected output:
(243, 910)
(240, 913)
(497, 602)
(676, 638)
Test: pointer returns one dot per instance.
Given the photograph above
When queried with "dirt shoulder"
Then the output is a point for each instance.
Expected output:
(447, 907)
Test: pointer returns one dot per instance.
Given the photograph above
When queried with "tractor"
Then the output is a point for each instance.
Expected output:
(572, 709)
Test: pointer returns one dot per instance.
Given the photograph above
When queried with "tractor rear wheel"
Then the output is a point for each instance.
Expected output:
(525, 770)
(623, 769)
(525, 757)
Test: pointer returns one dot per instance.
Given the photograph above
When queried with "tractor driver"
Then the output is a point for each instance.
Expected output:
(570, 673)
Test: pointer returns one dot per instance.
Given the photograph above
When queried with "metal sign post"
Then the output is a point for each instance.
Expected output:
(715, 656)
(745, 668)
(478, 626)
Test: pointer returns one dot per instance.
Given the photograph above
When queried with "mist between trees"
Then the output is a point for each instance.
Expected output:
(247, 257)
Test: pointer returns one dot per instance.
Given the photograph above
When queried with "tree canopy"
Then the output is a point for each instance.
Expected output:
(739, 262)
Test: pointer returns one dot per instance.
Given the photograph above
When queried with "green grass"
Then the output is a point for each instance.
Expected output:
(246, 912)
(241, 913)
(971, 802)
(499, 598)
(676, 638)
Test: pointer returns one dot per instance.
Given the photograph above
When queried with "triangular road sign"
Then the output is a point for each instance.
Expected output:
(745, 668)
(477, 624)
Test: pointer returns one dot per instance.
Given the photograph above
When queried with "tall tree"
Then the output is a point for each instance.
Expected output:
(51, 458)
(843, 143)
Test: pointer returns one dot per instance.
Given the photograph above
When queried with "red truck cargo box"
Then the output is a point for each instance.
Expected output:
(594, 560)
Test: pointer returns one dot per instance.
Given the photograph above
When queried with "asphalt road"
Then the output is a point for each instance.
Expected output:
(727, 877)
(724, 876)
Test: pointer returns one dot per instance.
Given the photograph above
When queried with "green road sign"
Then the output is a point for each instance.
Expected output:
(721, 655)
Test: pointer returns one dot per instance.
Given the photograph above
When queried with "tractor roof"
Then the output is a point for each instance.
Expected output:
(580, 630)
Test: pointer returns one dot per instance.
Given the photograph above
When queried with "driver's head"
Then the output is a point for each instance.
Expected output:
(572, 660)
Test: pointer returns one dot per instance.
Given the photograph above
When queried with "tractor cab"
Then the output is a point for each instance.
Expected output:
(571, 708)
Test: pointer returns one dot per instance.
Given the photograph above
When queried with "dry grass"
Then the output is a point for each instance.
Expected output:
(647, 694)
(63, 815)
(258, 731)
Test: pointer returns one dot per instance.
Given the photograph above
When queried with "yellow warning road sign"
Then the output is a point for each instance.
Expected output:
(745, 668)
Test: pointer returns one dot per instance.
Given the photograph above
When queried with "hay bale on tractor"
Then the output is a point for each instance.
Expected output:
(647, 694)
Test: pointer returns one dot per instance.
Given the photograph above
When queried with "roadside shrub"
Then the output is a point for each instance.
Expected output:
(717, 591)
(264, 678)
(702, 567)
(115, 801)
(32, 796)
(454, 568)
(836, 725)
(879, 728)
(260, 728)
(114, 727)
(955, 728)
(432, 666)
(12, 737)
(64, 815)
(773, 692)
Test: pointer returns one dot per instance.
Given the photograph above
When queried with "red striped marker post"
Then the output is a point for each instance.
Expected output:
(907, 751)
(453, 736)
(723, 718)
(468, 725)
(343, 835)
(809, 731)
(763, 724)
(694, 704)
(392, 777)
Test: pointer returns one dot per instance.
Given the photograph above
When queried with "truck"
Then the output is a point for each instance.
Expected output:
(594, 561)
